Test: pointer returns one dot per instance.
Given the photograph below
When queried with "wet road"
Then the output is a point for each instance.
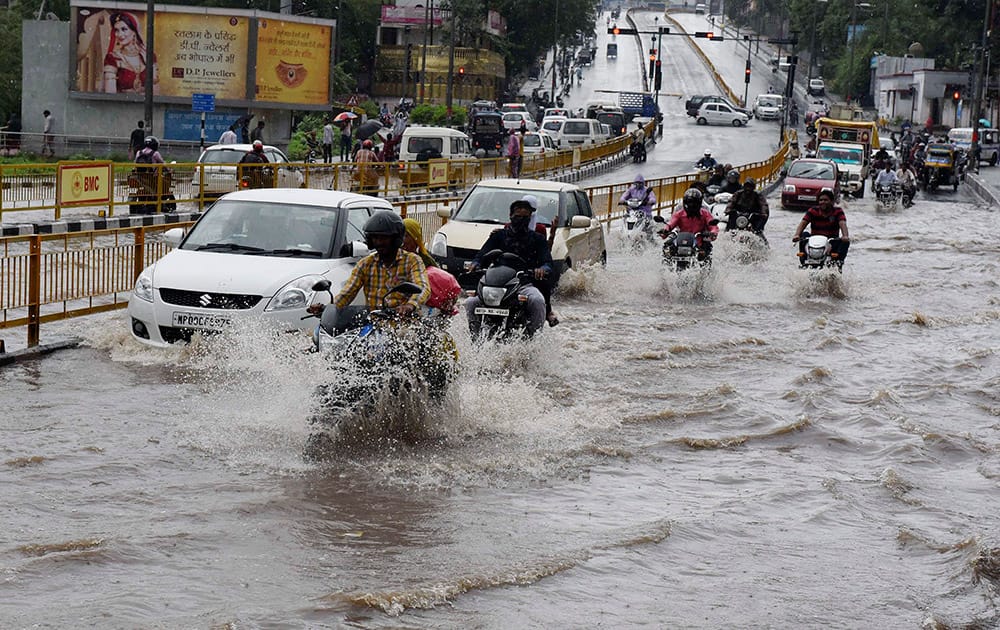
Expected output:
(754, 446)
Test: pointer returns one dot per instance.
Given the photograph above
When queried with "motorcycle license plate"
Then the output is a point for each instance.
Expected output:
(807, 197)
(200, 321)
(485, 310)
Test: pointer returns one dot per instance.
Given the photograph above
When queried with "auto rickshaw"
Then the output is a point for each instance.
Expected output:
(487, 131)
(150, 187)
(940, 167)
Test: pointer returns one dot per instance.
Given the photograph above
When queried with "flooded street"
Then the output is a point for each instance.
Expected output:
(752, 446)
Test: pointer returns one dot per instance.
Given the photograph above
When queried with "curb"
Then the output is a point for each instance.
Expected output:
(982, 190)
(63, 227)
(34, 352)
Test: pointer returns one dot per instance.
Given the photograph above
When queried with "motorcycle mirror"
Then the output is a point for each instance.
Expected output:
(406, 288)
(659, 219)
(713, 222)
(322, 285)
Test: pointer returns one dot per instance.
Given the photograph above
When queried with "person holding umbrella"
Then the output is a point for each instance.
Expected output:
(345, 120)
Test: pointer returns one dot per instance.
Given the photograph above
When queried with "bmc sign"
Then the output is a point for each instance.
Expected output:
(84, 184)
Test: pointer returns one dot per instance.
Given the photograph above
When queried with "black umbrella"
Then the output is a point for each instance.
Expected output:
(367, 129)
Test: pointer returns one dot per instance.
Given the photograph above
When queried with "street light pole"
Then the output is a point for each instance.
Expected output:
(850, 65)
(812, 42)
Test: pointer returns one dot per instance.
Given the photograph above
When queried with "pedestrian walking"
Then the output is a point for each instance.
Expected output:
(136, 140)
(47, 143)
(328, 142)
(229, 135)
(258, 132)
(345, 141)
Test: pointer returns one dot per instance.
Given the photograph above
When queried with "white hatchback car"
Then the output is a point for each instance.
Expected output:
(579, 236)
(538, 142)
(220, 171)
(253, 254)
(512, 121)
(720, 114)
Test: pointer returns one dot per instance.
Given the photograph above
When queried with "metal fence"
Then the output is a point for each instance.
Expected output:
(49, 277)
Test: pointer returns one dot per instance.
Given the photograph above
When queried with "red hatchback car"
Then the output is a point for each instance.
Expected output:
(805, 178)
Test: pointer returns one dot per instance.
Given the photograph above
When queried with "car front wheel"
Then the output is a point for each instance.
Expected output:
(737, 122)
(702, 121)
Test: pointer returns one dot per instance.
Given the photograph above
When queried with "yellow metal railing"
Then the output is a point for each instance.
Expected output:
(50, 277)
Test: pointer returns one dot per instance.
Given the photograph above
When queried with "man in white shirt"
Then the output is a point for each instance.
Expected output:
(47, 144)
(886, 177)
(328, 142)
(228, 136)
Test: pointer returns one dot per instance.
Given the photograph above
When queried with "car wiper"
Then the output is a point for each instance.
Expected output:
(235, 247)
(293, 252)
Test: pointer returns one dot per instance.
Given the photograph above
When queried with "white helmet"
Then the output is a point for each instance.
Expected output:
(708, 153)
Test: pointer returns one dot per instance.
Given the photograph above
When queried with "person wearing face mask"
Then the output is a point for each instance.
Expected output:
(517, 237)
(695, 218)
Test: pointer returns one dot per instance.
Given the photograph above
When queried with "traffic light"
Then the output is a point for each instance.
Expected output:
(658, 77)
(461, 72)
(614, 30)
(956, 95)
(652, 62)
(746, 78)
(708, 35)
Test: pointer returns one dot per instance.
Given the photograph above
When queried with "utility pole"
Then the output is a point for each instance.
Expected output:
(555, 56)
(451, 65)
(428, 16)
(981, 78)
(148, 112)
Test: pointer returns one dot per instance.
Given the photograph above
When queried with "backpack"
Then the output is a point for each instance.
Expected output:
(144, 157)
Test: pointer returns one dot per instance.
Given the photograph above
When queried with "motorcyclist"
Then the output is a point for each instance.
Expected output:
(518, 238)
(732, 184)
(718, 177)
(826, 220)
(150, 152)
(748, 199)
(886, 177)
(907, 180)
(707, 161)
(639, 190)
(388, 265)
(693, 217)
(251, 164)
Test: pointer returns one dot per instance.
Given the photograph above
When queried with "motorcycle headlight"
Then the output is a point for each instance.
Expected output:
(144, 286)
(492, 296)
(742, 222)
(439, 245)
(789, 188)
(297, 294)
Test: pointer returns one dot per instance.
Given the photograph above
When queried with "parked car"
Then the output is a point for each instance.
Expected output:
(253, 254)
(816, 87)
(721, 114)
(578, 239)
(220, 174)
(693, 104)
(512, 121)
(537, 142)
(804, 180)
(769, 106)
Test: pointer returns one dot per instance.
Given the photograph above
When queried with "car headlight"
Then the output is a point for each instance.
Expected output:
(493, 295)
(439, 245)
(144, 286)
(789, 188)
(297, 294)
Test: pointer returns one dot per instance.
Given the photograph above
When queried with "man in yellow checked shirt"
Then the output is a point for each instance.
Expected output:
(387, 266)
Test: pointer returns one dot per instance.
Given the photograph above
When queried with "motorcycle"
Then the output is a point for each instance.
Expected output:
(638, 224)
(907, 193)
(385, 361)
(818, 253)
(502, 315)
(681, 250)
(638, 151)
(150, 189)
(887, 196)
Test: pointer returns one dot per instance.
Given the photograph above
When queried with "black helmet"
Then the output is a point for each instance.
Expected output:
(749, 182)
(385, 223)
(692, 199)
(733, 176)
(152, 143)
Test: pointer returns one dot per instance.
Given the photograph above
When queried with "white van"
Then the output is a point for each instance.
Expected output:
(580, 132)
(989, 142)
(420, 144)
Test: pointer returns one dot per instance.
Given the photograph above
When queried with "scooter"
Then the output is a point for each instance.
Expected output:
(638, 224)
(148, 185)
(502, 314)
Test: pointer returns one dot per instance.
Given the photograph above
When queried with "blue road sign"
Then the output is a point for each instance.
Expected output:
(203, 102)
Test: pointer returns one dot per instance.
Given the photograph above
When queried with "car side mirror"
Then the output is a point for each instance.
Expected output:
(359, 249)
(174, 236)
(443, 213)
(579, 221)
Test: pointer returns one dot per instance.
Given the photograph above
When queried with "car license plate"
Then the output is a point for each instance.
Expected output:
(483, 310)
(807, 197)
(201, 321)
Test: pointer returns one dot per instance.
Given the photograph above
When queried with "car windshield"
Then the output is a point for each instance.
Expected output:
(486, 124)
(513, 117)
(264, 228)
(532, 140)
(811, 170)
(576, 127)
(769, 101)
(222, 156)
(840, 155)
(552, 125)
(612, 119)
(417, 144)
(963, 135)
(486, 204)
(937, 157)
